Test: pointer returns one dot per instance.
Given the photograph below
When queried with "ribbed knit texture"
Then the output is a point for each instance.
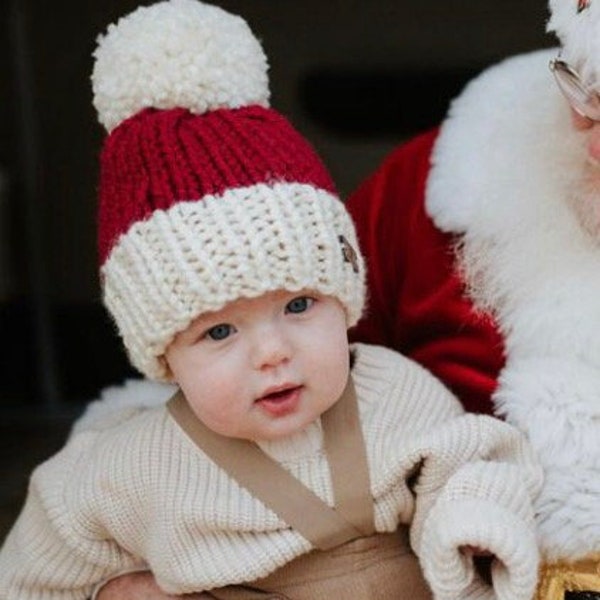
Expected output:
(144, 493)
(197, 256)
(159, 158)
(182, 88)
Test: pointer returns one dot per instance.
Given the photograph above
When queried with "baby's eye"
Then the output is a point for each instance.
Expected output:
(299, 304)
(220, 332)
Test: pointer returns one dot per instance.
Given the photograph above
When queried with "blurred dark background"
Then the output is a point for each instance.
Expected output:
(356, 77)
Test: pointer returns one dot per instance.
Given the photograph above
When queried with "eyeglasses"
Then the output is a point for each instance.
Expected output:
(582, 98)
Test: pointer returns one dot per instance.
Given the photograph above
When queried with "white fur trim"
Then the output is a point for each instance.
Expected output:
(197, 256)
(556, 402)
(579, 34)
(514, 100)
(503, 169)
(177, 53)
(120, 403)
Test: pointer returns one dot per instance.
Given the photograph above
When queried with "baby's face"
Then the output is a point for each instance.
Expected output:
(266, 367)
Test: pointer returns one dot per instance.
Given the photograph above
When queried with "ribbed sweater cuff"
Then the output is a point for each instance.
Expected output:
(480, 523)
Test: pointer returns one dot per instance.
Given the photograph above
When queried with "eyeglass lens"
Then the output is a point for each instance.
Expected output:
(582, 99)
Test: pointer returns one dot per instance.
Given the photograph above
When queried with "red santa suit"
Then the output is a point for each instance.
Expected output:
(480, 269)
(416, 293)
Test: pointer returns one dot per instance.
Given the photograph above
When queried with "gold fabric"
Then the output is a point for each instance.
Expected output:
(563, 576)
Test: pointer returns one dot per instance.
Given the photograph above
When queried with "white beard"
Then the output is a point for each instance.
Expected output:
(509, 177)
(585, 200)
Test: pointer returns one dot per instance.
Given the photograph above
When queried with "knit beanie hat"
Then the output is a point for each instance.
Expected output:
(577, 25)
(206, 194)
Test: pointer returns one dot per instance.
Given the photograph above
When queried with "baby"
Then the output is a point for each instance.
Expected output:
(287, 464)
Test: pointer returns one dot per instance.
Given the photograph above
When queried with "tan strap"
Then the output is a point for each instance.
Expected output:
(267, 480)
(346, 453)
(278, 489)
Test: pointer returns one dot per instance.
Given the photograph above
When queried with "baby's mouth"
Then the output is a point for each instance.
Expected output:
(281, 400)
(278, 394)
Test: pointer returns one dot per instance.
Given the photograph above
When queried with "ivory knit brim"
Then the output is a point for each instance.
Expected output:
(197, 256)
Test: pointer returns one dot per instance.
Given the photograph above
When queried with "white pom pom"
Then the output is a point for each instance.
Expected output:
(177, 53)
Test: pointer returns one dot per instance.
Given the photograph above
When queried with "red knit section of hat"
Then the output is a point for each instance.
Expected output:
(158, 158)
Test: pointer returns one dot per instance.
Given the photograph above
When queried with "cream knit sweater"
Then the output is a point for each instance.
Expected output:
(141, 494)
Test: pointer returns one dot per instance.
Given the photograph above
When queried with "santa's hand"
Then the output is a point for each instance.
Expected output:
(470, 551)
(140, 585)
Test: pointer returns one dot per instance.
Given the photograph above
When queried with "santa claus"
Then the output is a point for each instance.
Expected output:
(483, 245)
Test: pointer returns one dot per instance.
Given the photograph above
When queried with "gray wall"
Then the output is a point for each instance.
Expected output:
(58, 342)
(298, 37)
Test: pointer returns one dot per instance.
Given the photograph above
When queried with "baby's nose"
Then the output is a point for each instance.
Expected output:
(272, 350)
